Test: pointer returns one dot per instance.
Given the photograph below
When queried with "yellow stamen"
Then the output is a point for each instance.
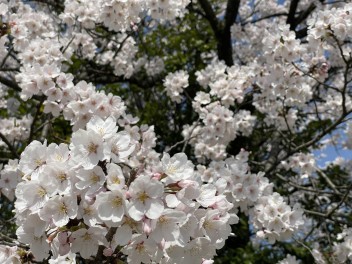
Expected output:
(92, 148)
(143, 197)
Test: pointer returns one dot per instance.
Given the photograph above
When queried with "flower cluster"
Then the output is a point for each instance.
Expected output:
(289, 260)
(154, 66)
(41, 73)
(327, 24)
(120, 15)
(108, 193)
(87, 102)
(175, 83)
(15, 129)
(3, 50)
(282, 45)
(233, 178)
(303, 163)
(3, 94)
(158, 210)
(10, 176)
(220, 127)
(343, 250)
(72, 195)
(227, 83)
(274, 219)
(123, 62)
(8, 255)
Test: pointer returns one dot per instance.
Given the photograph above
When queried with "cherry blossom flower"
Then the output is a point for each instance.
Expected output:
(145, 199)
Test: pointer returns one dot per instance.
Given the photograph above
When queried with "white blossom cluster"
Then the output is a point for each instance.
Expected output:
(271, 216)
(343, 250)
(27, 25)
(108, 191)
(15, 129)
(227, 83)
(120, 15)
(10, 176)
(281, 89)
(41, 71)
(232, 177)
(289, 260)
(82, 41)
(274, 219)
(3, 49)
(292, 68)
(8, 255)
(175, 83)
(221, 126)
(86, 102)
(280, 83)
(336, 22)
(270, 6)
(154, 66)
(3, 94)
(123, 62)
(167, 10)
(303, 163)
(162, 209)
(282, 44)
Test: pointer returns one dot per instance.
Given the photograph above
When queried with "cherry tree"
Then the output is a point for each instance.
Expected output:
(175, 131)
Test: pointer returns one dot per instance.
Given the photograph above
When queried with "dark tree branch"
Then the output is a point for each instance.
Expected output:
(222, 33)
(294, 20)
(291, 14)
(302, 33)
(13, 85)
(225, 44)
(231, 13)
(304, 14)
(9, 145)
(10, 83)
(210, 16)
(264, 17)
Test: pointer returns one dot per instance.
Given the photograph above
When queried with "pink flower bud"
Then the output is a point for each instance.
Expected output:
(186, 183)
(157, 176)
(108, 252)
(161, 245)
(147, 229)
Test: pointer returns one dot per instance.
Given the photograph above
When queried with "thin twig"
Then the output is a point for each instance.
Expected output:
(10, 146)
